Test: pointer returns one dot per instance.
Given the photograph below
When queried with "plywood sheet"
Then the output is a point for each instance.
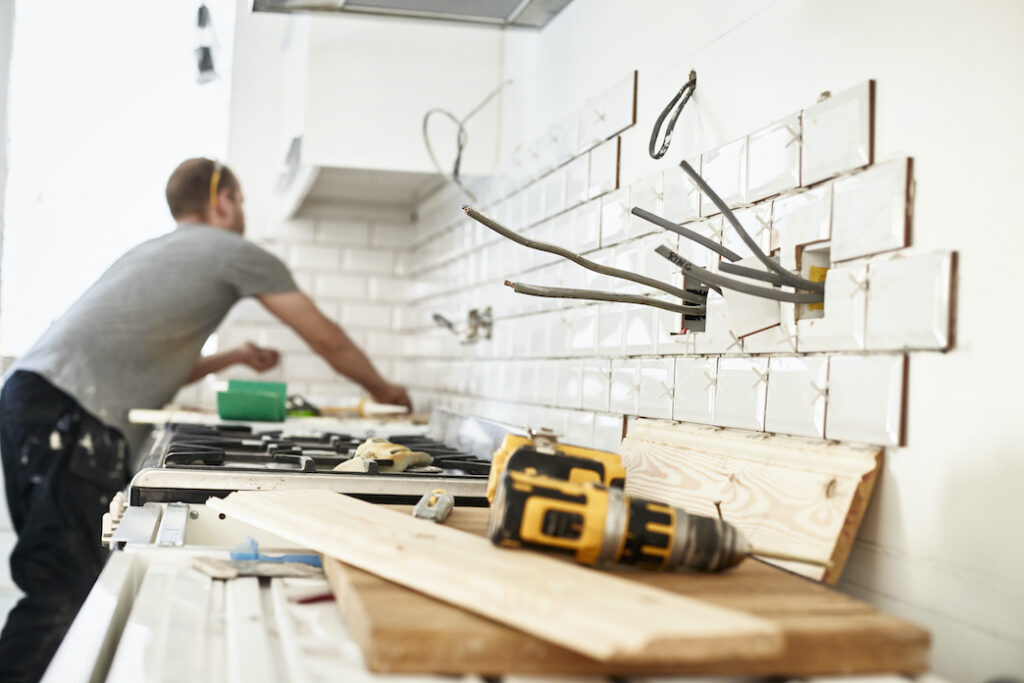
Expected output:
(590, 612)
(825, 632)
(798, 496)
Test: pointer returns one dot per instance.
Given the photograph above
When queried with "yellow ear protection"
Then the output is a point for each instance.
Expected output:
(218, 170)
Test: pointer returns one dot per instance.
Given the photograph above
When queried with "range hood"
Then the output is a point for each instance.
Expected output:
(523, 13)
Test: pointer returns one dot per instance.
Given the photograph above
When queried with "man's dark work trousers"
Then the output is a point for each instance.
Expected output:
(61, 468)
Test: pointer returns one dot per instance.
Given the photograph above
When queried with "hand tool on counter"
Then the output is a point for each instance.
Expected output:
(600, 525)
(435, 506)
(541, 453)
(385, 455)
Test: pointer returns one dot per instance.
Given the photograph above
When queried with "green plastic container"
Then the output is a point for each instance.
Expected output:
(246, 400)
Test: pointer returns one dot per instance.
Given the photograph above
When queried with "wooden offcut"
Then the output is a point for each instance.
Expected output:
(786, 494)
(589, 612)
(825, 632)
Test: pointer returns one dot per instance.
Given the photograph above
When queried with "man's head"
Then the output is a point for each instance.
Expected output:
(204, 191)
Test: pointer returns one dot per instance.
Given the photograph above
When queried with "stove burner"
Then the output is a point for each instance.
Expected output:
(239, 448)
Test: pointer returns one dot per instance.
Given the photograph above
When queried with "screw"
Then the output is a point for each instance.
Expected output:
(193, 514)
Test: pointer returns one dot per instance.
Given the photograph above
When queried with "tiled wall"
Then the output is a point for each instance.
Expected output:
(347, 266)
(805, 187)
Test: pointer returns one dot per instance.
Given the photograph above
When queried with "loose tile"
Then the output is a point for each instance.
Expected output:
(837, 134)
(910, 302)
(865, 399)
(871, 211)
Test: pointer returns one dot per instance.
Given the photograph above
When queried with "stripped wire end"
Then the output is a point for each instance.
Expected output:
(466, 208)
(509, 283)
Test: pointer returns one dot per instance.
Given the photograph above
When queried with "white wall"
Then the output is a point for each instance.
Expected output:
(939, 542)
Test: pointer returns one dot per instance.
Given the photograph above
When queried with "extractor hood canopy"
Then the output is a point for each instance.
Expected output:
(524, 13)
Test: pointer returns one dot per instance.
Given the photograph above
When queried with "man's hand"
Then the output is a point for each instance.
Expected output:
(392, 394)
(256, 357)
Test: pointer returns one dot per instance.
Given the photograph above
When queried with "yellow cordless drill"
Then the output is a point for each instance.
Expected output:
(598, 525)
(540, 453)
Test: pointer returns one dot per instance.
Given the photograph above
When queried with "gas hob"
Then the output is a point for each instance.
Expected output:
(188, 463)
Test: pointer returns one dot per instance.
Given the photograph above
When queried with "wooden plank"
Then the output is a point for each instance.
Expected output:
(826, 632)
(785, 493)
(587, 611)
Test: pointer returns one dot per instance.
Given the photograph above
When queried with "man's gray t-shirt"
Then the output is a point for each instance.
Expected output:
(133, 338)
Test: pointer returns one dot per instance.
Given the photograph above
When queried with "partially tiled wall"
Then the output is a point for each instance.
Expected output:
(347, 266)
(806, 187)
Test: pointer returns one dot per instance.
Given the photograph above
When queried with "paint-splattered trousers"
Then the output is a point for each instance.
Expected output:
(61, 468)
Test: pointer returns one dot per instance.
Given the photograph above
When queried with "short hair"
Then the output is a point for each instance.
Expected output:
(188, 188)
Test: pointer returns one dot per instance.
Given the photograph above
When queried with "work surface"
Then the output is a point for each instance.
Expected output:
(825, 632)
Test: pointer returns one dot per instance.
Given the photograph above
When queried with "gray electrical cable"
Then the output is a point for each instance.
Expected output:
(497, 227)
(597, 295)
(787, 277)
(750, 273)
(709, 278)
(686, 232)
(461, 139)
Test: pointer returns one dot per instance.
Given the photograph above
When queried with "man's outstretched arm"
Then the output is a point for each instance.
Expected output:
(298, 311)
(257, 358)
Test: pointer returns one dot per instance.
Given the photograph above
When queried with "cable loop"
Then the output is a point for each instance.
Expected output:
(688, 89)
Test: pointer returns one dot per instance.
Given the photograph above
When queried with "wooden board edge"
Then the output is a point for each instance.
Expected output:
(851, 525)
(756, 446)
(353, 611)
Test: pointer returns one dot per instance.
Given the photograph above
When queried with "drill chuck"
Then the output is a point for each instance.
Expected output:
(599, 525)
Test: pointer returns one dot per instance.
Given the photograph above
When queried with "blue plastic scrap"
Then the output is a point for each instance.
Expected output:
(249, 549)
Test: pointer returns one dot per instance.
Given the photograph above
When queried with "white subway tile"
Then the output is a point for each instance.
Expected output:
(870, 211)
(740, 393)
(800, 219)
(296, 230)
(586, 227)
(579, 428)
(694, 392)
(648, 194)
(596, 380)
(282, 338)
(394, 235)
(779, 339)
(725, 170)
(369, 261)
(717, 337)
(554, 192)
(757, 221)
(583, 325)
(909, 302)
(608, 433)
(681, 196)
(306, 367)
(339, 286)
(570, 375)
(591, 119)
(320, 257)
(620, 106)
(640, 330)
(610, 320)
(655, 379)
(577, 180)
(865, 399)
(390, 288)
(366, 315)
(748, 313)
(614, 217)
(604, 168)
(349, 233)
(796, 395)
(837, 134)
(773, 159)
(842, 327)
(623, 387)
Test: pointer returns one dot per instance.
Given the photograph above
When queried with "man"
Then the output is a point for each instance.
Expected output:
(131, 341)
